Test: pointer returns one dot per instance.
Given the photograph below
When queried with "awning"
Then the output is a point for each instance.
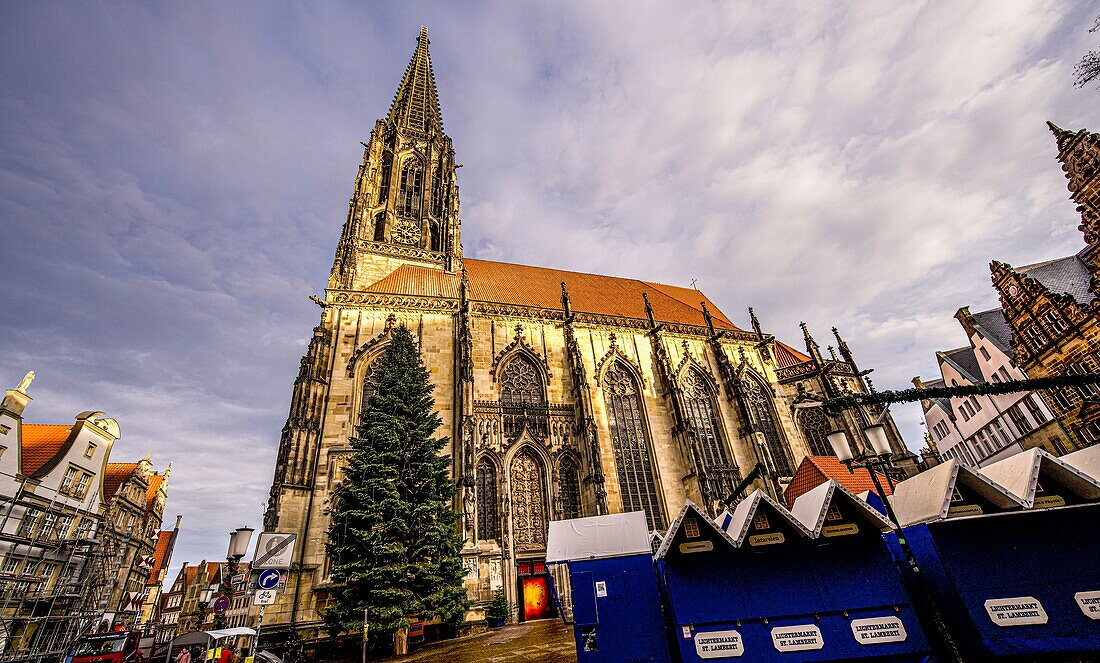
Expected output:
(203, 637)
(598, 537)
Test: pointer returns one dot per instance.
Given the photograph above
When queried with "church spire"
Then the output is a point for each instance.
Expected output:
(416, 104)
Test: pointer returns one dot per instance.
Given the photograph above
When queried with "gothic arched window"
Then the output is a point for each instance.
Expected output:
(408, 202)
(699, 398)
(370, 381)
(528, 501)
(631, 445)
(437, 191)
(521, 383)
(387, 173)
(437, 235)
(569, 488)
(759, 404)
(380, 227)
(488, 514)
(815, 428)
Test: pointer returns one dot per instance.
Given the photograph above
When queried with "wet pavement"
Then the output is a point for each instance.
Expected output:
(545, 641)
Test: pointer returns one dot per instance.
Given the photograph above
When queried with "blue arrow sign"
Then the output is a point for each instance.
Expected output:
(268, 579)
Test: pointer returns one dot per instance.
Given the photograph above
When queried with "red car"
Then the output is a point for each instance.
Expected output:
(114, 647)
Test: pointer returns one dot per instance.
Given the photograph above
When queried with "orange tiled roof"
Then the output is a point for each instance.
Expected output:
(165, 538)
(540, 287)
(816, 470)
(155, 482)
(40, 443)
(189, 574)
(786, 356)
(114, 476)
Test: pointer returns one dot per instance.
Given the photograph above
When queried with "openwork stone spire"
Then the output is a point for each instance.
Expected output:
(416, 104)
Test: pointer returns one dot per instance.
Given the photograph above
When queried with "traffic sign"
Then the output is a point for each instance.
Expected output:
(269, 579)
(221, 605)
(265, 597)
(274, 550)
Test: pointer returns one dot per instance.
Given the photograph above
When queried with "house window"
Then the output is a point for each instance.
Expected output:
(1035, 408)
(1062, 398)
(569, 488)
(90, 450)
(82, 483)
(488, 518)
(631, 445)
(68, 481)
(30, 521)
(759, 406)
(1019, 420)
(1079, 368)
(1091, 432)
(985, 353)
(1003, 372)
(1035, 336)
(48, 530)
(1054, 322)
(975, 404)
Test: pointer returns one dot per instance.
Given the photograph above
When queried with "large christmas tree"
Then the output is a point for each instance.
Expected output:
(393, 542)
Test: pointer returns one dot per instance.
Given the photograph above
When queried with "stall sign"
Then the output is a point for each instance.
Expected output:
(803, 637)
(769, 539)
(719, 644)
(696, 546)
(1089, 602)
(878, 630)
(844, 529)
(1016, 611)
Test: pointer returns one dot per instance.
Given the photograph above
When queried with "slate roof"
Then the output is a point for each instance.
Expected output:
(1067, 275)
(964, 360)
(816, 470)
(40, 444)
(114, 476)
(540, 287)
(996, 328)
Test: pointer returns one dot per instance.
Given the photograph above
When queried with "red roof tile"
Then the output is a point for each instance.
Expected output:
(114, 476)
(40, 444)
(165, 539)
(816, 470)
(786, 356)
(540, 287)
(155, 482)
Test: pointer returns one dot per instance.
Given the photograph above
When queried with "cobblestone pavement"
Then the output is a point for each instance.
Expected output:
(546, 641)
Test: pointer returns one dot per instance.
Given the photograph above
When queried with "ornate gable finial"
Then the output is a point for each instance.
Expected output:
(811, 345)
(566, 305)
(708, 318)
(843, 347)
(755, 324)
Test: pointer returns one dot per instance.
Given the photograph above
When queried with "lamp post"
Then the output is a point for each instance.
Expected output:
(873, 460)
(205, 596)
(238, 548)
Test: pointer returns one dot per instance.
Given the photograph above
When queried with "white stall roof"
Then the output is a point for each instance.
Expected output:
(810, 507)
(1020, 475)
(926, 497)
(598, 537)
(738, 524)
(1086, 461)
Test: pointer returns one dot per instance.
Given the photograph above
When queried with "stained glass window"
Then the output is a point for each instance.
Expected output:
(408, 204)
(569, 488)
(488, 517)
(815, 427)
(528, 501)
(699, 399)
(520, 383)
(384, 184)
(628, 437)
(759, 403)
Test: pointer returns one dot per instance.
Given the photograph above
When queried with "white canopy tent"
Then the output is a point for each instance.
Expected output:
(926, 497)
(1020, 475)
(598, 537)
(811, 507)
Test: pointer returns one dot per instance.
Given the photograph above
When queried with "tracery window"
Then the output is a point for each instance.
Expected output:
(521, 383)
(631, 445)
(408, 203)
(437, 190)
(759, 405)
(528, 501)
(488, 514)
(370, 381)
(569, 488)
(387, 172)
(815, 428)
(699, 398)
(380, 227)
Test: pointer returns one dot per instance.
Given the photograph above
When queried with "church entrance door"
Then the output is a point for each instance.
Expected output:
(534, 586)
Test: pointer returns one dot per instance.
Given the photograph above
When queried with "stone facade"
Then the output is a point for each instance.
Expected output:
(1053, 306)
(562, 394)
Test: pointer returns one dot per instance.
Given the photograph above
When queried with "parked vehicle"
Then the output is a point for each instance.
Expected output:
(113, 647)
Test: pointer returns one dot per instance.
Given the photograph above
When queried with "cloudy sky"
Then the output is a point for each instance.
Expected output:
(173, 179)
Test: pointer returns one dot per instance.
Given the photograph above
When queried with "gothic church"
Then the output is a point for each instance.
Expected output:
(563, 394)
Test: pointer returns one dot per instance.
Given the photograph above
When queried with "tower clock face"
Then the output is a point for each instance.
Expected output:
(406, 232)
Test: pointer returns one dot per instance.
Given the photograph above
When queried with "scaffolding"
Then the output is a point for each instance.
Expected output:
(52, 580)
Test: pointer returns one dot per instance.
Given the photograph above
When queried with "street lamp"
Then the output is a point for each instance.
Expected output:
(205, 597)
(879, 457)
(238, 548)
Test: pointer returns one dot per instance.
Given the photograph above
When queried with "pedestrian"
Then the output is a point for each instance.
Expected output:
(184, 656)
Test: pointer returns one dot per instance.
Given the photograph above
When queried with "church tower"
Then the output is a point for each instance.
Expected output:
(404, 209)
